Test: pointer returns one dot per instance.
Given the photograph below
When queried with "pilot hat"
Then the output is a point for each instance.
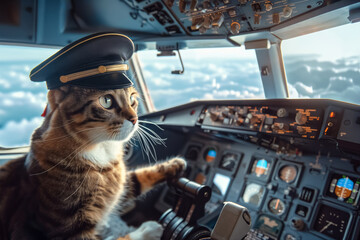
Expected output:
(96, 61)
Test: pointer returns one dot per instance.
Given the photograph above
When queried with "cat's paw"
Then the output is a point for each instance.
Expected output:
(150, 230)
(174, 167)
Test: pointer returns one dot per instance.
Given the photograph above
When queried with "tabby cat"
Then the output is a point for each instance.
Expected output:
(74, 176)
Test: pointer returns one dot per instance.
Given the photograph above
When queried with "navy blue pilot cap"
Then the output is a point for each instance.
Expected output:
(96, 61)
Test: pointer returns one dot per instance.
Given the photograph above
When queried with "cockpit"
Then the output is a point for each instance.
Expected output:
(261, 98)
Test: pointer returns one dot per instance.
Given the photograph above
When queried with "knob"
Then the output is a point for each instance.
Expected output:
(268, 6)
(197, 23)
(287, 11)
(301, 130)
(207, 22)
(291, 192)
(239, 121)
(202, 29)
(235, 28)
(297, 224)
(252, 118)
(218, 20)
(214, 116)
(300, 118)
(272, 187)
(283, 126)
(281, 112)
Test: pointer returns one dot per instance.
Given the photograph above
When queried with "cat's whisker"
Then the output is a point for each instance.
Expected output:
(143, 144)
(155, 136)
(155, 140)
(137, 136)
(149, 144)
(66, 136)
(156, 125)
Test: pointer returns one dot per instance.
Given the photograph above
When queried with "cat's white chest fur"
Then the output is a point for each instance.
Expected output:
(107, 151)
(103, 153)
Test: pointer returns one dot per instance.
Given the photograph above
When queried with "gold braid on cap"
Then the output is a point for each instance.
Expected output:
(92, 72)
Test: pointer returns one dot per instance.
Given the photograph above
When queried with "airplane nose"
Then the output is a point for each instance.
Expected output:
(133, 120)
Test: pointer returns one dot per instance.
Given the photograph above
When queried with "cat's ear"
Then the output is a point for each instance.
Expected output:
(56, 96)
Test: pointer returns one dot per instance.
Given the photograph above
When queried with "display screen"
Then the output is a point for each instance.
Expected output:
(260, 167)
(253, 194)
(269, 225)
(210, 155)
(344, 188)
(221, 184)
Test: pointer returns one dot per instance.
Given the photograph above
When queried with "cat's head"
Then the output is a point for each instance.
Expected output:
(94, 115)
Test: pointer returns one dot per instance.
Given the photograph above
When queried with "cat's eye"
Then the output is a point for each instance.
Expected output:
(132, 100)
(106, 101)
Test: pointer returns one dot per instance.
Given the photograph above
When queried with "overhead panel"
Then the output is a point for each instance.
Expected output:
(17, 21)
(233, 17)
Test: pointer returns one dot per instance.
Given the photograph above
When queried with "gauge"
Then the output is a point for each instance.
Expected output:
(228, 162)
(253, 194)
(268, 225)
(260, 167)
(331, 221)
(192, 153)
(344, 188)
(210, 155)
(276, 206)
(288, 173)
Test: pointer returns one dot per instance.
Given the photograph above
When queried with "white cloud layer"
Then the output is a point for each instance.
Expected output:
(18, 133)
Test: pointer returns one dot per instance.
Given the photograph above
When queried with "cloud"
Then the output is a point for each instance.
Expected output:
(19, 105)
(18, 133)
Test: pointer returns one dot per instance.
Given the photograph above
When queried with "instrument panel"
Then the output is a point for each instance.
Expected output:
(290, 121)
(285, 196)
(296, 184)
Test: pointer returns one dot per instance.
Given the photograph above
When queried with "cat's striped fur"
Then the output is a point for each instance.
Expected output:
(74, 175)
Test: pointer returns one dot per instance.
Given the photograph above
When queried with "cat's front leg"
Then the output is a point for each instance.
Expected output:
(143, 179)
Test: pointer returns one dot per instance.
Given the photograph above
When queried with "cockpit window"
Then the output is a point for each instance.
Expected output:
(21, 101)
(214, 73)
(324, 64)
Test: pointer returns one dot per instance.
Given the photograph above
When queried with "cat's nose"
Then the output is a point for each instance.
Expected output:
(133, 120)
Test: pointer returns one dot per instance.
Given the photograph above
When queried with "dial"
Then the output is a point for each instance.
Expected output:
(331, 221)
(260, 167)
(253, 194)
(235, 27)
(300, 118)
(277, 206)
(281, 112)
(288, 173)
(228, 161)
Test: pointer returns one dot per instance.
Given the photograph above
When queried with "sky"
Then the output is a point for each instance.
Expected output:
(324, 64)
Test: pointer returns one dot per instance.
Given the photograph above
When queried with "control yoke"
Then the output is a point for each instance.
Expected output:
(180, 222)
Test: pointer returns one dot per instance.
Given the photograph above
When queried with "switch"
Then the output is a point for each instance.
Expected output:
(256, 7)
(232, 13)
(301, 210)
(276, 18)
(257, 18)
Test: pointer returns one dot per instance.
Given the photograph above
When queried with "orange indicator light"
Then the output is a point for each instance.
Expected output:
(332, 114)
